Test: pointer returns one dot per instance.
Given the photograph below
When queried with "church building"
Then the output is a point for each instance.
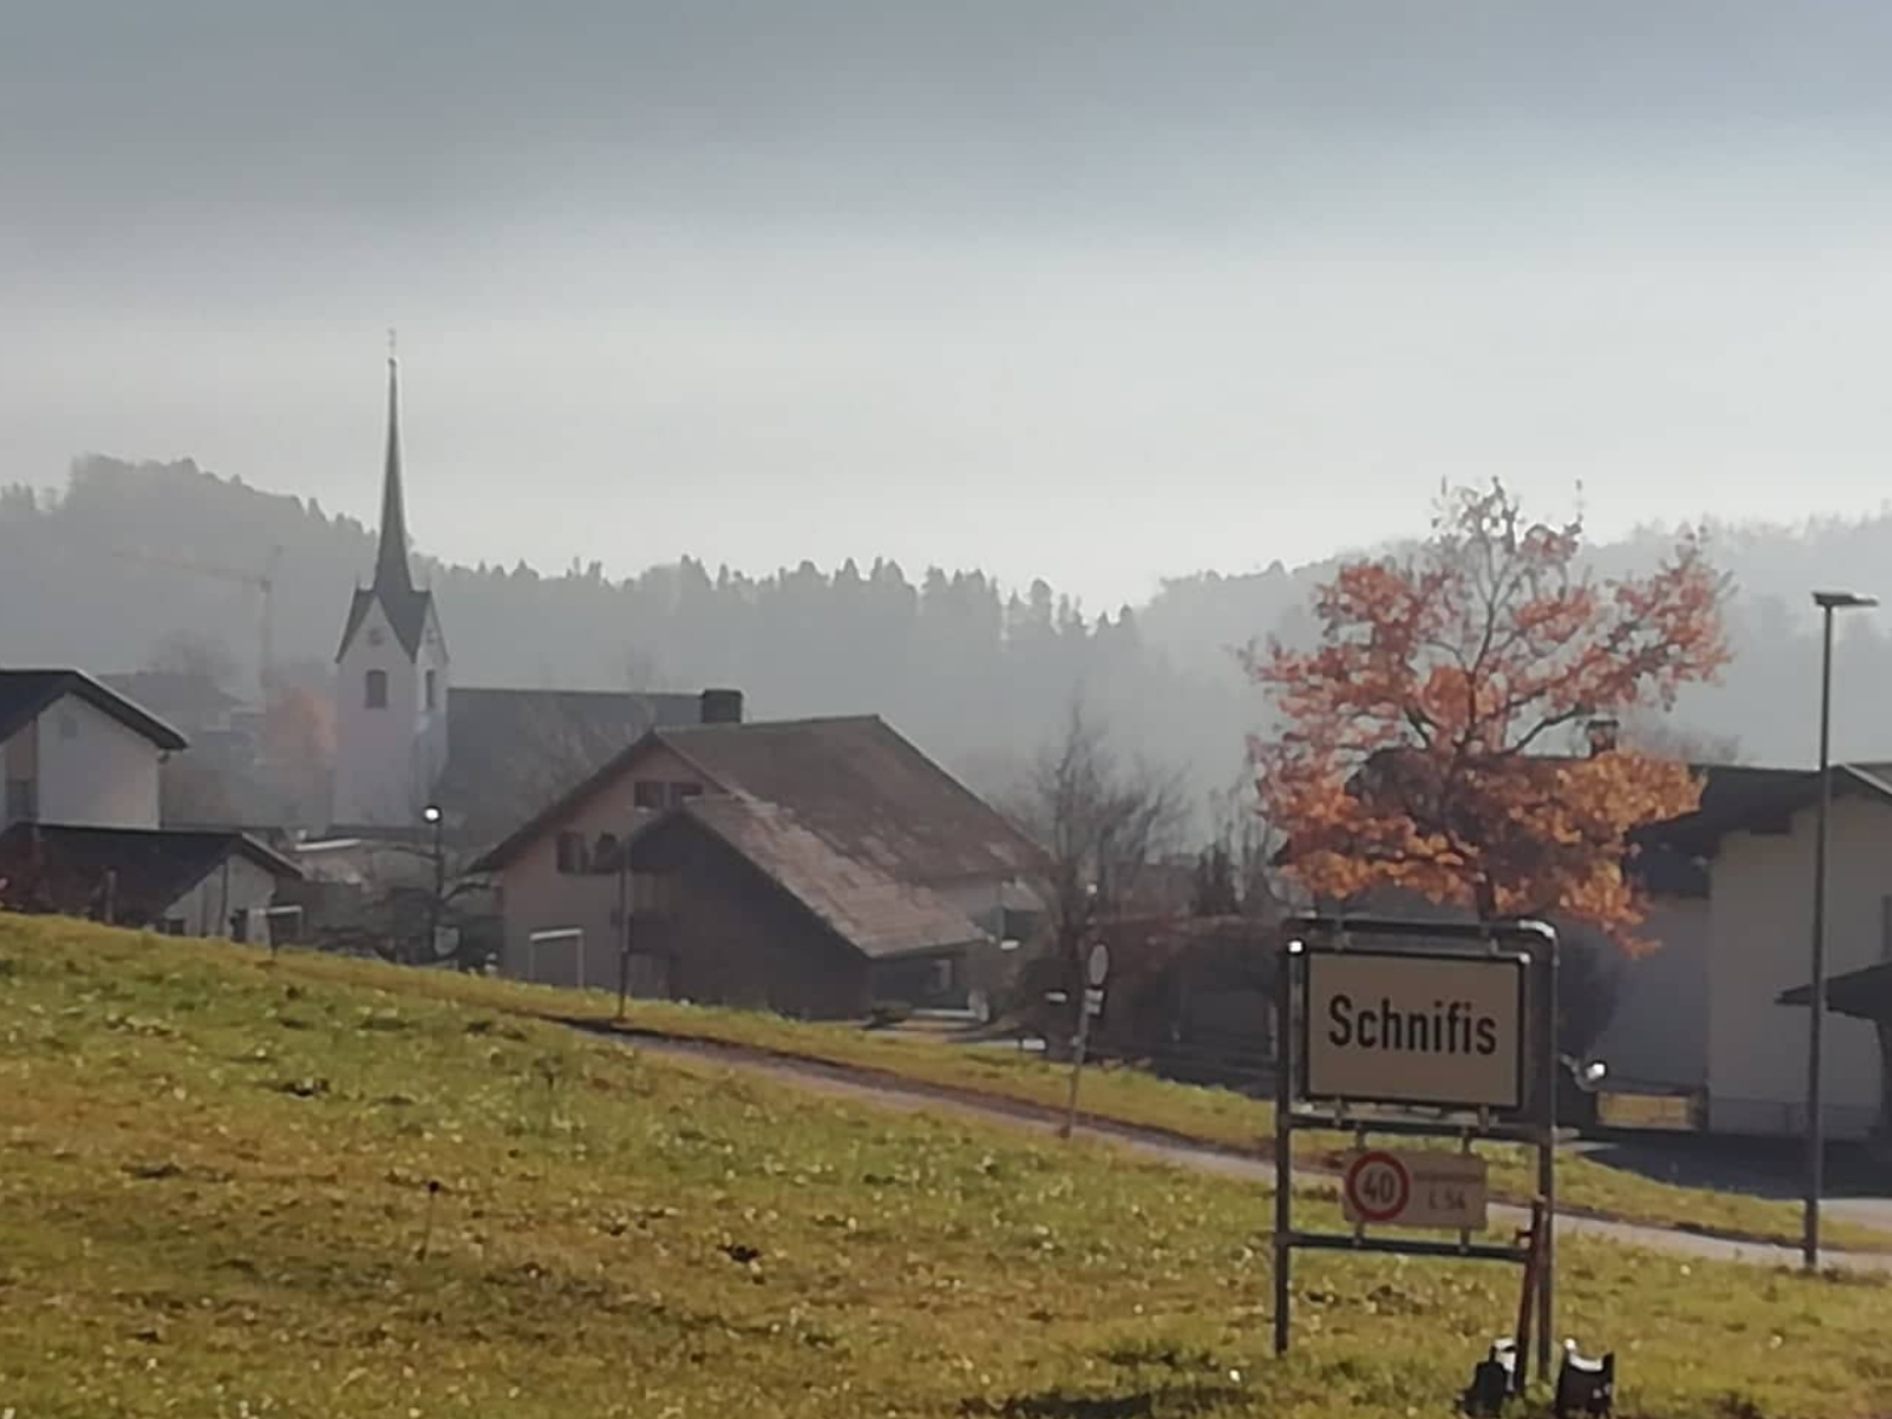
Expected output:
(391, 675)
(407, 739)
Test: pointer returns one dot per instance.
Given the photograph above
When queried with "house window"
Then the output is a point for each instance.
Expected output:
(684, 792)
(68, 727)
(430, 689)
(604, 853)
(570, 849)
(375, 689)
(22, 801)
(648, 795)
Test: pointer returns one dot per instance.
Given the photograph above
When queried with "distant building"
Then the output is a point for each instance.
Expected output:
(180, 882)
(74, 752)
(1735, 929)
(406, 737)
(1697, 1022)
(809, 865)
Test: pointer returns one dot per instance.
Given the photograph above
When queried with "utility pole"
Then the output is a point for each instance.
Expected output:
(1828, 602)
(436, 819)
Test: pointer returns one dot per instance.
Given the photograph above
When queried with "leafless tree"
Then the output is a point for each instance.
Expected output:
(1102, 821)
(1236, 873)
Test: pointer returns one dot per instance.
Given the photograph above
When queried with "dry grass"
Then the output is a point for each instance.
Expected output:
(1216, 1116)
(1119, 1094)
(216, 1202)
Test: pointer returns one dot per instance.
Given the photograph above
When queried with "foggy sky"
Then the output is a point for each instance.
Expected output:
(1094, 290)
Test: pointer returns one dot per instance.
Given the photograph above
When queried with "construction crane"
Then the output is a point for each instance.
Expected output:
(264, 582)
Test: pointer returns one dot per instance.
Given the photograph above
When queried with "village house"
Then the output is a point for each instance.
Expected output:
(77, 752)
(810, 865)
(1697, 1032)
(1733, 887)
(80, 818)
(183, 883)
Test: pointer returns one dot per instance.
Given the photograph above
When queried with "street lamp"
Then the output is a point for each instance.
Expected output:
(435, 819)
(1828, 602)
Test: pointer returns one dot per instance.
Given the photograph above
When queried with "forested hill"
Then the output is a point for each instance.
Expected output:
(124, 563)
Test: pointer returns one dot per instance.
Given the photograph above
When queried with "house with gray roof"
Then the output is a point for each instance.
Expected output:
(73, 750)
(813, 866)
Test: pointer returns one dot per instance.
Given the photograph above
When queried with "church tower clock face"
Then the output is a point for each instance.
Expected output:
(376, 636)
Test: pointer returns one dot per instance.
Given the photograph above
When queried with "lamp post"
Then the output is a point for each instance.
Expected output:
(435, 819)
(1828, 602)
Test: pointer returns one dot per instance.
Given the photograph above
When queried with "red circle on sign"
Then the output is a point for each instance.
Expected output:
(1402, 1186)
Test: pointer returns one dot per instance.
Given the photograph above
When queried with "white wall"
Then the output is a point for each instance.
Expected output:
(240, 885)
(388, 760)
(431, 724)
(1761, 914)
(93, 771)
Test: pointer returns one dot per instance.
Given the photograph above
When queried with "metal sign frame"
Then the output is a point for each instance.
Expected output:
(1533, 1122)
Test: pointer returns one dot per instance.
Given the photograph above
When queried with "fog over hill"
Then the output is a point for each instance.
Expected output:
(130, 557)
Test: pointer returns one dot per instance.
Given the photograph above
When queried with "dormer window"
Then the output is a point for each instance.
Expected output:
(375, 689)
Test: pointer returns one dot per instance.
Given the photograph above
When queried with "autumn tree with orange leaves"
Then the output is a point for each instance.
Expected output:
(1430, 740)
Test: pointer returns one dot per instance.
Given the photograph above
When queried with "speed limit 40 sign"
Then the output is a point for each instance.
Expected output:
(1414, 1188)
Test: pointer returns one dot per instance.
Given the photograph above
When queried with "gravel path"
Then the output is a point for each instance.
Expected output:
(907, 1096)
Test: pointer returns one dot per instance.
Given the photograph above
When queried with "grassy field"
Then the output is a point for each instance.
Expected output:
(1123, 1095)
(238, 1188)
(1217, 1116)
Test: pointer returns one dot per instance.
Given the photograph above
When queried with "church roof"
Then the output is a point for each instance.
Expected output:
(407, 614)
(393, 586)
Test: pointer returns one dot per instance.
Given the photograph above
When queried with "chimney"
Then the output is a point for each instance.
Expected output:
(1602, 734)
(720, 707)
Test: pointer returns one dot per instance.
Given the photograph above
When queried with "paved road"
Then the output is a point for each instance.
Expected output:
(884, 1091)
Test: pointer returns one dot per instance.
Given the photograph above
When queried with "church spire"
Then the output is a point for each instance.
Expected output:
(391, 575)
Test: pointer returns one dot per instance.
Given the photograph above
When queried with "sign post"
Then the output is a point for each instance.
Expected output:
(1417, 1029)
(1096, 968)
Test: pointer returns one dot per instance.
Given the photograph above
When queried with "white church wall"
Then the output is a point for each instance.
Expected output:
(379, 765)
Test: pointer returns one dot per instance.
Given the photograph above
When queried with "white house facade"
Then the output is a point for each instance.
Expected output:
(1701, 1013)
(1761, 913)
(74, 752)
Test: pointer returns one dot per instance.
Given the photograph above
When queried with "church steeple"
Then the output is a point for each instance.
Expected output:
(391, 673)
(391, 575)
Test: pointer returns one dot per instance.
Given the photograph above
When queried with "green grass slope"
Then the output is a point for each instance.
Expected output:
(217, 1199)
(1220, 1117)
(1122, 1095)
